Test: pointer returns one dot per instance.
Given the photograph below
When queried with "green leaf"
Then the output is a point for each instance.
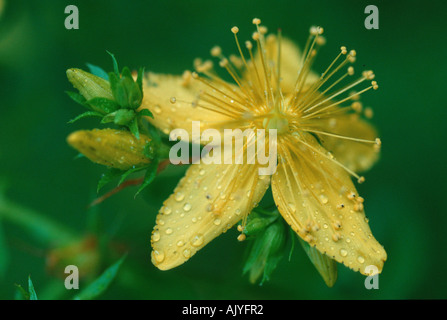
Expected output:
(100, 285)
(115, 64)
(150, 175)
(97, 71)
(111, 174)
(32, 292)
(86, 114)
(21, 294)
(145, 112)
(78, 98)
(103, 105)
(325, 266)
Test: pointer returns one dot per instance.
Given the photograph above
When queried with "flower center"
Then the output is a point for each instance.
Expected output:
(278, 121)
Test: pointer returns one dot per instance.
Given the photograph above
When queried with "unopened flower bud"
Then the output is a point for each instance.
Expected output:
(118, 149)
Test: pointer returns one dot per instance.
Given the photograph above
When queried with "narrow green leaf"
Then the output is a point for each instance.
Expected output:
(111, 174)
(150, 175)
(100, 285)
(32, 292)
(21, 293)
(115, 64)
(87, 114)
(97, 71)
(325, 266)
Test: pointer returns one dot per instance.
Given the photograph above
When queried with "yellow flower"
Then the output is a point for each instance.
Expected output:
(321, 142)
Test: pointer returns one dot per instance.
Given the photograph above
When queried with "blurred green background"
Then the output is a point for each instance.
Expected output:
(42, 185)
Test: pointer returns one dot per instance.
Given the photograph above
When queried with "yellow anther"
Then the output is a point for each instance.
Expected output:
(344, 50)
(240, 228)
(255, 36)
(235, 29)
(216, 51)
(361, 180)
(374, 85)
(241, 237)
(360, 199)
(263, 29)
(340, 206)
(336, 237)
(248, 45)
(256, 21)
(351, 71)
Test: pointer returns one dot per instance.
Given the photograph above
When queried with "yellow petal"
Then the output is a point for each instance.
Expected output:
(318, 199)
(173, 100)
(291, 61)
(208, 201)
(357, 156)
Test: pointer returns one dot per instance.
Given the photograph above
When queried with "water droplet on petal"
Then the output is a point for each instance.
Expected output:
(324, 199)
(360, 259)
(186, 253)
(187, 207)
(343, 252)
(167, 210)
(156, 236)
(168, 231)
(158, 256)
(179, 196)
(217, 221)
(157, 109)
(197, 240)
(180, 243)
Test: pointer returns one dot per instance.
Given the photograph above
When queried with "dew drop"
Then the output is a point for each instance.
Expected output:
(197, 240)
(292, 207)
(156, 236)
(217, 221)
(173, 100)
(360, 259)
(187, 207)
(202, 172)
(186, 253)
(157, 109)
(343, 252)
(168, 231)
(180, 243)
(158, 256)
(167, 211)
(324, 199)
(179, 196)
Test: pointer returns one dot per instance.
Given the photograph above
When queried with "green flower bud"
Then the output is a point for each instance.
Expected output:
(89, 85)
(124, 116)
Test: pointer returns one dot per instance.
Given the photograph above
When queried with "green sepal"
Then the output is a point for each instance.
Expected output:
(150, 175)
(128, 172)
(140, 79)
(133, 127)
(86, 114)
(146, 113)
(118, 90)
(111, 174)
(265, 252)
(103, 105)
(78, 98)
(124, 116)
(115, 64)
(97, 71)
(325, 266)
